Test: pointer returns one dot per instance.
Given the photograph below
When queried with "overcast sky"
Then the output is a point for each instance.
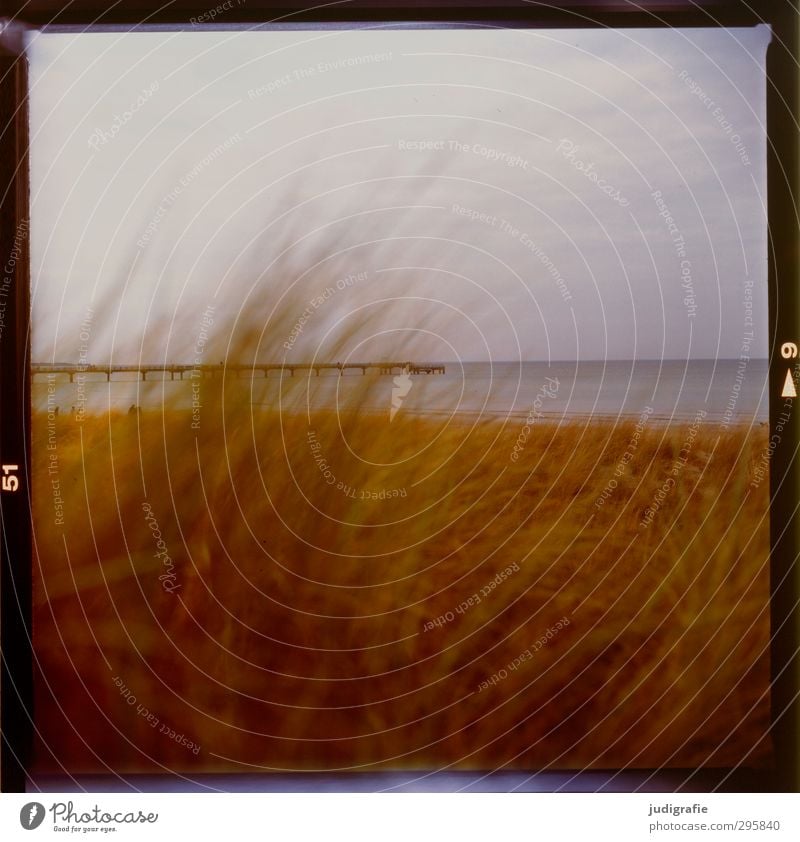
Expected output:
(274, 177)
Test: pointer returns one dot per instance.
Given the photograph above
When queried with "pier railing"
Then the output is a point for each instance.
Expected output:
(236, 370)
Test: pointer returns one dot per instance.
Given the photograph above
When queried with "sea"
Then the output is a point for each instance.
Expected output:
(727, 391)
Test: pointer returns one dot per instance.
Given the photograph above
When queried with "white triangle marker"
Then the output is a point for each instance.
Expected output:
(789, 390)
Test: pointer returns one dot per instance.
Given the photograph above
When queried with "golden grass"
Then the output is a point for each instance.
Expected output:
(301, 630)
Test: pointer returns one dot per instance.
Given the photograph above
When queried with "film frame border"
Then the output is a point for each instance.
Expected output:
(783, 186)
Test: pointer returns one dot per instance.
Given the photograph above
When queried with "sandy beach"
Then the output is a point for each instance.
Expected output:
(334, 591)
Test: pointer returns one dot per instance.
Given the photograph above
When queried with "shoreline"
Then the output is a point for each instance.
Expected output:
(462, 415)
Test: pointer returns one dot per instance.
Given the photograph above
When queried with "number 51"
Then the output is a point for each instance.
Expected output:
(9, 480)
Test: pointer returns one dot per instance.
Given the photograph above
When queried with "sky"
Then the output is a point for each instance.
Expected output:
(431, 194)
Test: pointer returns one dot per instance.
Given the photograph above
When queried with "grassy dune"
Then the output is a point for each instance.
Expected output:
(302, 623)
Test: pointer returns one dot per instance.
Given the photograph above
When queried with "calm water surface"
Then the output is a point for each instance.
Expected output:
(725, 389)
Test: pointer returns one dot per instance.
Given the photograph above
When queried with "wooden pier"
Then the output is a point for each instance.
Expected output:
(235, 370)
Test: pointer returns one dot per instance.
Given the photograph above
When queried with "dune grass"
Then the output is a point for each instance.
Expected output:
(336, 591)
